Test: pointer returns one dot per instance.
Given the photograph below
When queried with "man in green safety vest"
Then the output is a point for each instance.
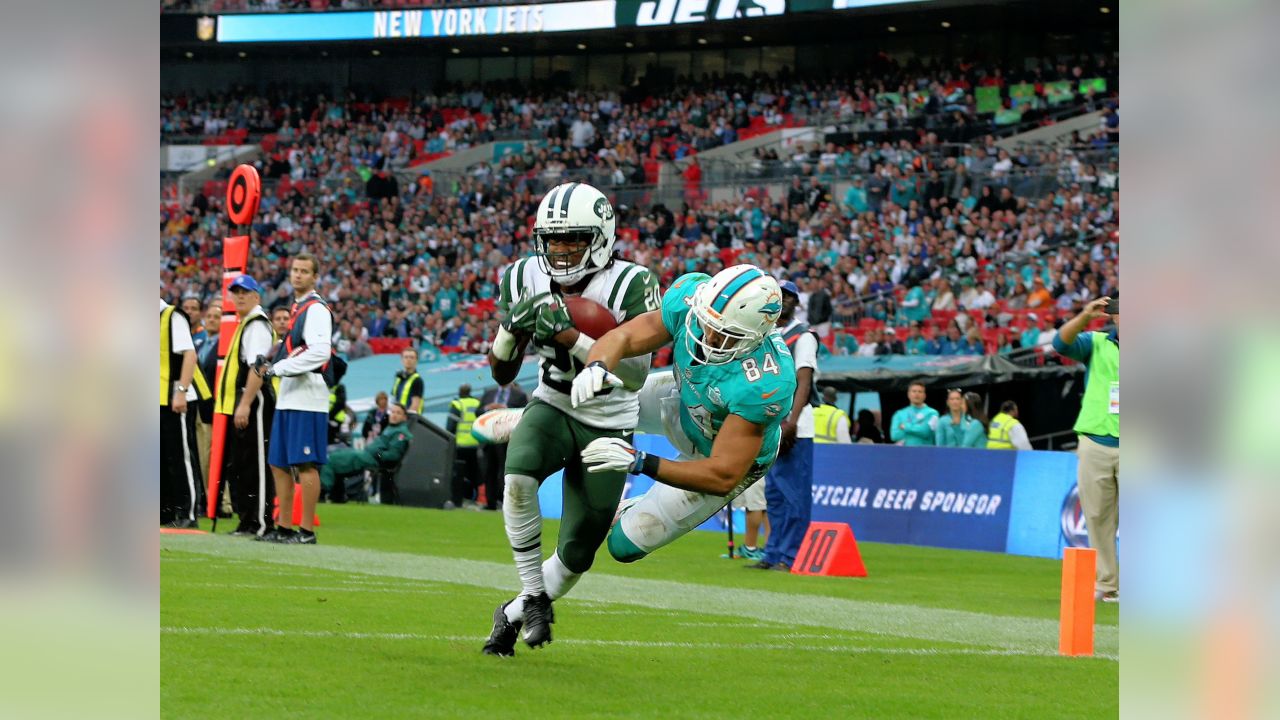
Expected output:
(385, 451)
(830, 423)
(1098, 469)
(466, 454)
(1006, 431)
(407, 389)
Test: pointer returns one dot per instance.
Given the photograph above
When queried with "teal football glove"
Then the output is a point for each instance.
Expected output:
(553, 319)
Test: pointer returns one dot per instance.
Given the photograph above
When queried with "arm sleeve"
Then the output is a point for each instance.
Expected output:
(752, 405)
(842, 431)
(1080, 350)
(255, 341)
(921, 428)
(180, 333)
(317, 334)
(805, 352)
(674, 302)
(1018, 437)
(977, 436)
(643, 294)
(508, 288)
(896, 434)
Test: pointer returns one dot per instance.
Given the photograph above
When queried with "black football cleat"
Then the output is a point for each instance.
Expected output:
(538, 617)
(300, 538)
(762, 565)
(276, 535)
(502, 640)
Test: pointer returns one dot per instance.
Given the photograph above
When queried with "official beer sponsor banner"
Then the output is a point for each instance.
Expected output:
(942, 497)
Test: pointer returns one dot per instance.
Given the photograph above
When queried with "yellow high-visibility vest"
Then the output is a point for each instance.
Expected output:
(826, 423)
(225, 404)
(167, 363)
(465, 409)
(998, 432)
(400, 390)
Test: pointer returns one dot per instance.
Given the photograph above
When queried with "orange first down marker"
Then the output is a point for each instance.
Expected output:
(1075, 634)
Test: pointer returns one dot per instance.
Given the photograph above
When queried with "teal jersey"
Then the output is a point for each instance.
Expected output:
(758, 388)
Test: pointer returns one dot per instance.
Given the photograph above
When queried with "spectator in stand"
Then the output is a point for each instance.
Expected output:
(911, 425)
(933, 343)
(943, 298)
(915, 343)
(973, 344)
(1031, 336)
(892, 343)
(914, 307)
(953, 343)
(957, 428)
(870, 344)
(1039, 297)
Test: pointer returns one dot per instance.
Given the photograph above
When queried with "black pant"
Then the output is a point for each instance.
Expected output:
(181, 483)
(495, 461)
(245, 469)
(466, 473)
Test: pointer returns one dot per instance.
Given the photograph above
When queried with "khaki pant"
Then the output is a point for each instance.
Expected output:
(1098, 475)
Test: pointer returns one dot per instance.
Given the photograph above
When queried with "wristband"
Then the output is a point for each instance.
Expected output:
(582, 346)
(648, 464)
(504, 345)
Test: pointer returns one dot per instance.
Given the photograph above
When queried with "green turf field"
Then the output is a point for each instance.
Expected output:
(386, 617)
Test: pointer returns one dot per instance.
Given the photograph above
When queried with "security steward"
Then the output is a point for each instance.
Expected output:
(1098, 466)
(250, 402)
(466, 458)
(1006, 431)
(181, 483)
(384, 451)
(830, 423)
(408, 387)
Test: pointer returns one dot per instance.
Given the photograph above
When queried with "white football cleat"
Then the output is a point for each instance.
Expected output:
(495, 427)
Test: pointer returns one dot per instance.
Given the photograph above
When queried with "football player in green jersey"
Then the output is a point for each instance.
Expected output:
(573, 237)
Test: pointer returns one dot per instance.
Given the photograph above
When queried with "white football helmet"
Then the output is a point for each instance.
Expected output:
(740, 305)
(577, 215)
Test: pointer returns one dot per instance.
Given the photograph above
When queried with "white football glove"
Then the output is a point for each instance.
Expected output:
(612, 455)
(593, 379)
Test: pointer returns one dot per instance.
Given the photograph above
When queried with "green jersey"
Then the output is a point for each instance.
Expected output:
(626, 290)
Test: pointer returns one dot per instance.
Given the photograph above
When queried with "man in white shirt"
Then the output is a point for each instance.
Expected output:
(789, 485)
(300, 427)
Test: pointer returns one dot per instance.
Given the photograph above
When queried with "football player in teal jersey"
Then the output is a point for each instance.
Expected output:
(723, 406)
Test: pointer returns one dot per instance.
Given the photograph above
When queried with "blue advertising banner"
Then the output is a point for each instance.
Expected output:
(942, 497)
(1045, 513)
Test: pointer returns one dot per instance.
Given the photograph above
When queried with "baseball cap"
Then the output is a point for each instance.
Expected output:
(245, 282)
(789, 287)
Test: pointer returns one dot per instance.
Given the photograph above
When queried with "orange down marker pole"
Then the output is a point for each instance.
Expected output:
(243, 194)
(1075, 633)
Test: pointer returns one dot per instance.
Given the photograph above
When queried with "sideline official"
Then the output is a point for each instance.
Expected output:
(830, 423)
(466, 458)
(249, 401)
(181, 482)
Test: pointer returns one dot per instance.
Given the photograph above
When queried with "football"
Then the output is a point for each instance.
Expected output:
(590, 317)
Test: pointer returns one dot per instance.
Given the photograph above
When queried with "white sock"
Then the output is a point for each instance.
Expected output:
(523, 520)
(559, 579)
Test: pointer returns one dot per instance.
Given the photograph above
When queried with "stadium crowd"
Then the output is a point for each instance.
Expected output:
(928, 247)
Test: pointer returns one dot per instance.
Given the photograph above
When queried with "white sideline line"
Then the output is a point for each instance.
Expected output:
(1020, 634)
(477, 639)
(320, 588)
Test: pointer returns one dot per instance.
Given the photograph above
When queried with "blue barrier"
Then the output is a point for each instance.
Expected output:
(1015, 502)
